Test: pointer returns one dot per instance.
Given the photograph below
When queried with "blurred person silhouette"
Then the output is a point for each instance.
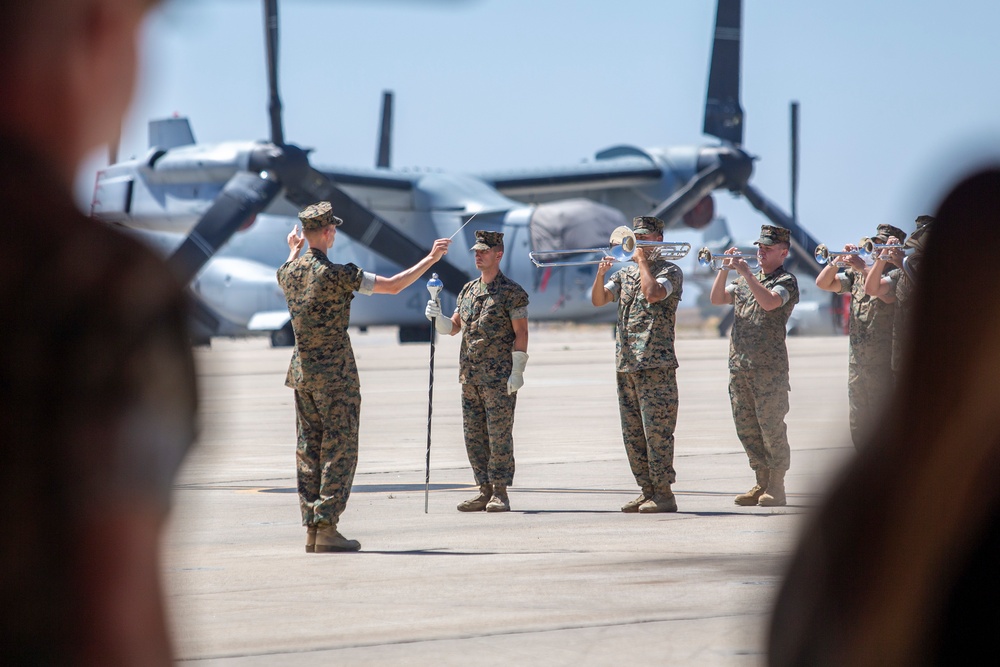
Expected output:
(899, 565)
(898, 283)
(869, 350)
(97, 384)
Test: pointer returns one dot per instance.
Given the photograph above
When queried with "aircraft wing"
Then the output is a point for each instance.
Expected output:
(608, 172)
(372, 178)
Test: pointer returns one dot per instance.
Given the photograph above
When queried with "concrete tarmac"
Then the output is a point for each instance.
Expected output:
(565, 578)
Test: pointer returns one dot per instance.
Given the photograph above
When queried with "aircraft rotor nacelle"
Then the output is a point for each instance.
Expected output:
(169, 190)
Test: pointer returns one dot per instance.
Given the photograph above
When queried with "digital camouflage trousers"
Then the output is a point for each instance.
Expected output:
(488, 421)
(327, 453)
(647, 404)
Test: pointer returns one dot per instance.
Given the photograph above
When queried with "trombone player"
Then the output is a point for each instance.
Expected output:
(870, 345)
(647, 293)
(758, 360)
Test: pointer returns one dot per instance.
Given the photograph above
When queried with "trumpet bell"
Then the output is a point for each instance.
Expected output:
(705, 257)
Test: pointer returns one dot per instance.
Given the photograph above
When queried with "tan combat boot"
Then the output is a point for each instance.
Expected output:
(662, 501)
(633, 505)
(310, 539)
(499, 502)
(477, 504)
(329, 540)
(775, 494)
(753, 495)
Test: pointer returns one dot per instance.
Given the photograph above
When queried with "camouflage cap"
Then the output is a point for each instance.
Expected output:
(918, 238)
(486, 240)
(769, 235)
(317, 216)
(883, 232)
(647, 224)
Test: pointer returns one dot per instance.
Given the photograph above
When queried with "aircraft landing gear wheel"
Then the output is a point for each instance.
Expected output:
(283, 337)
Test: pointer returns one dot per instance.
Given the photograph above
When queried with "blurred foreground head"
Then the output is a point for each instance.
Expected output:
(899, 565)
(97, 395)
(68, 73)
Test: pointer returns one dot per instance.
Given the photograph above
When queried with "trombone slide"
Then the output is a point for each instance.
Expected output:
(622, 247)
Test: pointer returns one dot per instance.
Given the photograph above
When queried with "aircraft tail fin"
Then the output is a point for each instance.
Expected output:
(723, 113)
(168, 133)
(383, 159)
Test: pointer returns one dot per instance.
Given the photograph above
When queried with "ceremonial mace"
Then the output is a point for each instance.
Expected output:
(434, 286)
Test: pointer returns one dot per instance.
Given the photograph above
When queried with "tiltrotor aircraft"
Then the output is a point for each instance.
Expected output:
(221, 212)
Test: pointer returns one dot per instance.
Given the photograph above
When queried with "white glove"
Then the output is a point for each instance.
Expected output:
(443, 324)
(433, 309)
(433, 313)
(516, 379)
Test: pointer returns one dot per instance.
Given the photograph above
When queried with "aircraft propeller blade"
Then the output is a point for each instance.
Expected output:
(367, 228)
(274, 100)
(245, 195)
(304, 185)
(795, 159)
(719, 167)
(723, 113)
(385, 134)
(685, 199)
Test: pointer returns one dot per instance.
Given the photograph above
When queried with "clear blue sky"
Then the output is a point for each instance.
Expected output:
(897, 96)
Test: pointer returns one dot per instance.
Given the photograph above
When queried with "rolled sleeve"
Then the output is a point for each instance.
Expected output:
(667, 285)
(519, 313)
(367, 283)
(614, 288)
(845, 282)
(783, 293)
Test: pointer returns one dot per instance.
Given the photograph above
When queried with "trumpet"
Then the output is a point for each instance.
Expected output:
(869, 247)
(622, 247)
(825, 256)
(715, 261)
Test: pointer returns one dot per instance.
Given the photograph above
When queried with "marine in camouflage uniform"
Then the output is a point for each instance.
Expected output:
(758, 361)
(647, 293)
(871, 324)
(491, 312)
(323, 372)
(898, 284)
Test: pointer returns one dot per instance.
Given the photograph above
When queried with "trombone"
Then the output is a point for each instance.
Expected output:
(622, 247)
(825, 256)
(715, 261)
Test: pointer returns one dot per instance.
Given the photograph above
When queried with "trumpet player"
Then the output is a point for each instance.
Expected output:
(647, 294)
(870, 344)
(897, 284)
(758, 360)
